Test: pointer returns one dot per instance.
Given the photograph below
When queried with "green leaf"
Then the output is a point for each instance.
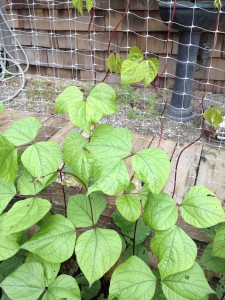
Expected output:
(213, 116)
(175, 249)
(63, 287)
(110, 177)
(97, 250)
(7, 192)
(219, 242)
(129, 206)
(102, 101)
(11, 264)
(79, 210)
(220, 289)
(131, 72)
(89, 4)
(118, 64)
(161, 212)
(135, 54)
(128, 228)
(22, 131)
(213, 263)
(24, 214)
(78, 4)
(140, 251)
(151, 68)
(188, 285)
(111, 62)
(27, 184)
(68, 98)
(50, 270)
(76, 156)
(8, 160)
(151, 166)
(86, 292)
(144, 194)
(110, 143)
(42, 159)
(132, 280)
(9, 244)
(27, 282)
(201, 208)
(54, 241)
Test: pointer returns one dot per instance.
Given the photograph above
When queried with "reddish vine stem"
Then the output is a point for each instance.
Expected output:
(64, 194)
(92, 13)
(113, 32)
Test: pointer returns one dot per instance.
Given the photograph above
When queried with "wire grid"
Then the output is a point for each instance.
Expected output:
(55, 39)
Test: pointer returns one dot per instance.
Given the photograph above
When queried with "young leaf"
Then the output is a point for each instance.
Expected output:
(140, 251)
(54, 241)
(42, 159)
(160, 212)
(7, 192)
(63, 287)
(8, 160)
(190, 284)
(151, 166)
(89, 4)
(27, 282)
(175, 249)
(128, 228)
(201, 208)
(131, 72)
(9, 244)
(22, 131)
(118, 64)
(78, 4)
(24, 214)
(111, 62)
(68, 98)
(86, 292)
(79, 210)
(219, 242)
(111, 177)
(129, 206)
(76, 156)
(97, 250)
(50, 270)
(213, 116)
(110, 143)
(213, 263)
(135, 54)
(132, 280)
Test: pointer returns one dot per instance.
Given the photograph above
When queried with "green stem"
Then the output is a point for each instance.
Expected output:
(92, 215)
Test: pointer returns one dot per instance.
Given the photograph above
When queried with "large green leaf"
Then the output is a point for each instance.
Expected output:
(68, 98)
(23, 131)
(7, 192)
(54, 241)
(27, 282)
(128, 229)
(135, 54)
(63, 287)
(140, 251)
(132, 280)
(24, 214)
(110, 177)
(110, 143)
(8, 160)
(188, 285)
(213, 263)
(50, 270)
(219, 242)
(129, 206)
(97, 250)
(79, 210)
(151, 166)
(175, 249)
(201, 208)
(102, 99)
(131, 72)
(42, 159)
(160, 212)
(87, 292)
(76, 156)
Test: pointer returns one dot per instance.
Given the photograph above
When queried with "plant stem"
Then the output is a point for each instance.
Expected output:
(64, 194)
(135, 230)
(92, 215)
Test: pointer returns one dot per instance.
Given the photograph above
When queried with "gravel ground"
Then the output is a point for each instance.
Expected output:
(139, 110)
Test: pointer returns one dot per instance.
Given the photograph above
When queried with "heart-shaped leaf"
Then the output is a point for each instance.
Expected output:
(7, 192)
(129, 206)
(97, 250)
(131, 72)
(68, 98)
(201, 208)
